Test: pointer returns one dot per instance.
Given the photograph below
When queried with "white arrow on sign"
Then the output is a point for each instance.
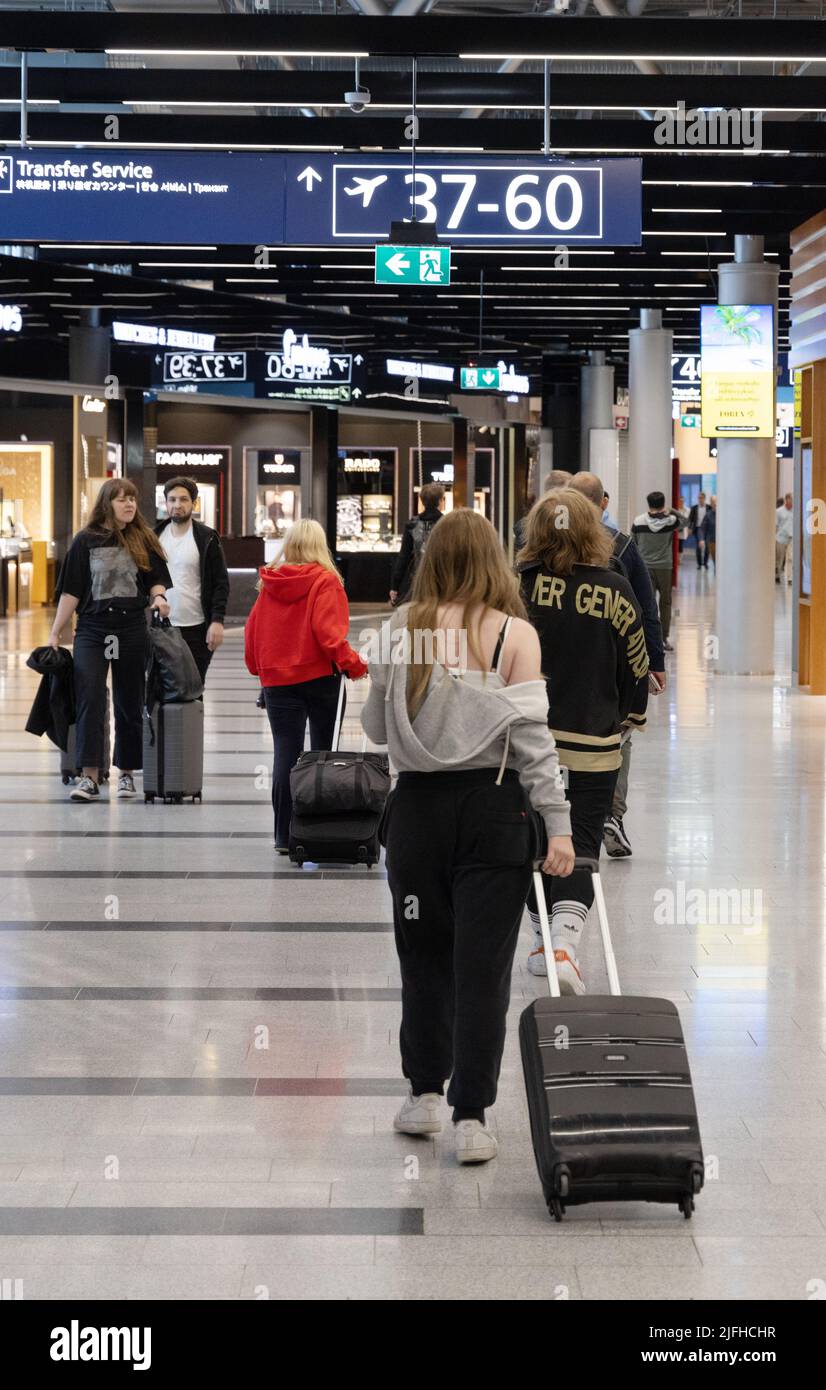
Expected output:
(397, 263)
(488, 377)
(307, 175)
(358, 360)
(357, 392)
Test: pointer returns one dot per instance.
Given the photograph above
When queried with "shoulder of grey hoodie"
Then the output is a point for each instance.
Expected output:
(457, 722)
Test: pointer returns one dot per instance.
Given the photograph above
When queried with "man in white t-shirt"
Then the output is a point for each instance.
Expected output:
(199, 573)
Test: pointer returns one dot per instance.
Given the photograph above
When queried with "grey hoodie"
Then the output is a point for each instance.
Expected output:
(460, 727)
(654, 534)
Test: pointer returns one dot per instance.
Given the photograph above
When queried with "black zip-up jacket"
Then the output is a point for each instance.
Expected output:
(214, 576)
(626, 551)
(593, 659)
(405, 566)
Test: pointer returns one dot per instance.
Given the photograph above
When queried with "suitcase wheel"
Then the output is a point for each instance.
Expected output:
(149, 796)
(697, 1180)
(556, 1208)
(299, 856)
(67, 778)
(563, 1182)
(686, 1205)
(363, 857)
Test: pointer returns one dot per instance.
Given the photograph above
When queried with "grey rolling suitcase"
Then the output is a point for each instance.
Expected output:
(609, 1090)
(173, 752)
(69, 769)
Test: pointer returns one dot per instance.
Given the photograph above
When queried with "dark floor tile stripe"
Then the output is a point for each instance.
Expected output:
(309, 928)
(260, 994)
(296, 874)
(204, 1221)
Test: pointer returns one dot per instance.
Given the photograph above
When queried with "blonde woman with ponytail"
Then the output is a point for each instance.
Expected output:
(295, 641)
(470, 741)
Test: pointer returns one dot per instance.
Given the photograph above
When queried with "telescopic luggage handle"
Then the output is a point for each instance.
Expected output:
(581, 862)
(339, 718)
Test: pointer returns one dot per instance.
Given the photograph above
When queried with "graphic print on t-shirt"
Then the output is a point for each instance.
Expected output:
(114, 573)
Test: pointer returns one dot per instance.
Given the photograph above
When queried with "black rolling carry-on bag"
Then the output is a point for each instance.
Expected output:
(611, 1104)
(338, 802)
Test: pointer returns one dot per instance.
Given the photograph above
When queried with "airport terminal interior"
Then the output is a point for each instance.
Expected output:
(328, 261)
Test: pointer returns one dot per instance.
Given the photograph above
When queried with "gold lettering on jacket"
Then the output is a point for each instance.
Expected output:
(597, 600)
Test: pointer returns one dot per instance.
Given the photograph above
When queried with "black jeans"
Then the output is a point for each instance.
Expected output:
(288, 709)
(458, 867)
(118, 636)
(590, 795)
(195, 638)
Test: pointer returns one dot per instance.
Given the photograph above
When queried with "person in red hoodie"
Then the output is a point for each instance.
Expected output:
(295, 641)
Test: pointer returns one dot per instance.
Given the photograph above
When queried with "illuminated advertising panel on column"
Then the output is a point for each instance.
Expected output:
(738, 376)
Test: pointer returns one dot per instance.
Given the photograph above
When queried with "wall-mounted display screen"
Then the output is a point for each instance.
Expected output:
(738, 378)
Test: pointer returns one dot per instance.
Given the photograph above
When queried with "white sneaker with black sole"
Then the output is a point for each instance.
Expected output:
(126, 787)
(615, 839)
(420, 1114)
(86, 789)
(474, 1142)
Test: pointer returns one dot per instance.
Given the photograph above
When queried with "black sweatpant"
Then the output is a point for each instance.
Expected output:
(458, 866)
(116, 635)
(288, 709)
(590, 795)
(195, 638)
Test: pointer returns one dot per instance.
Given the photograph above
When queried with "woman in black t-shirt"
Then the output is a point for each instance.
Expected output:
(115, 569)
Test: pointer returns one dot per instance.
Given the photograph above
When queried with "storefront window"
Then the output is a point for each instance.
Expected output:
(209, 466)
(437, 467)
(366, 499)
(277, 474)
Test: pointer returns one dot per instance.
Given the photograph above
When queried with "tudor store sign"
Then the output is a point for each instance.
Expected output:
(93, 405)
(281, 466)
(185, 456)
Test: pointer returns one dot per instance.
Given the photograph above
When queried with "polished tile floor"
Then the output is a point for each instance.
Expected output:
(197, 1043)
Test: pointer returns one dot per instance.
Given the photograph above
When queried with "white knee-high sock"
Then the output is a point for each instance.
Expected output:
(567, 920)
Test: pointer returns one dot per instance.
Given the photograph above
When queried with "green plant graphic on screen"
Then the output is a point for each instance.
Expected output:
(737, 320)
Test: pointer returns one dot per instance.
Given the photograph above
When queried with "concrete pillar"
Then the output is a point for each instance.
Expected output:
(596, 403)
(746, 480)
(89, 349)
(649, 425)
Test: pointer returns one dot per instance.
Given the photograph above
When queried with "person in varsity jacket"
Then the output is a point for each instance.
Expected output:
(595, 664)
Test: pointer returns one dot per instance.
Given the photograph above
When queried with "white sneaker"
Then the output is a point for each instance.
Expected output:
(474, 1142)
(568, 972)
(536, 962)
(420, 1114)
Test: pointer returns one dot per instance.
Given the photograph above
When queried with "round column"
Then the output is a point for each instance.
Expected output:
(649, 425)
(746, 480)
(596, 401)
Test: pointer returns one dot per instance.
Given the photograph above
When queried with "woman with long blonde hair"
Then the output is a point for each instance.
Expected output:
(596, 666)
(459, 699)
(295, 641)
(114, 570)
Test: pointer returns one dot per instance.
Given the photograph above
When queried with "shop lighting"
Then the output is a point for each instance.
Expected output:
(116, 246)
(238, 53)
(182, 145)
(685, 233)
(698, 183)
(631, 57)
(691, 210)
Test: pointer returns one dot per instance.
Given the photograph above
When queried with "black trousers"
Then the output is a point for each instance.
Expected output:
(117, 636)
(458, 867)
(590, 795)
(195, 638)
(288, 709)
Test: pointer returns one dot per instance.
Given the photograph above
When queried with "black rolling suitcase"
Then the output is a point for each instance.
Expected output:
(611, 1104)
(338, 802)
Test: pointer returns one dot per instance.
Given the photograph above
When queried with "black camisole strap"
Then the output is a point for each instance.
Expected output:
(497, 651)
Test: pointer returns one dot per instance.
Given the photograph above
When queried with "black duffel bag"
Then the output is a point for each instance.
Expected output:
(172, 676)
(329, 783)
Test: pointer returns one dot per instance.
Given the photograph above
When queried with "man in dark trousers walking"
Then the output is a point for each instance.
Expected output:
(414, 540)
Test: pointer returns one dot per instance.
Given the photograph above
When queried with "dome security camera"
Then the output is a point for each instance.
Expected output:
(358, 99)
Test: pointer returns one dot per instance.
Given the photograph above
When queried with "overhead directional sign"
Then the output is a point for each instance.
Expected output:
(191, 197)
(412, 265)
(204, 366)
(502, 377)
(485, 200)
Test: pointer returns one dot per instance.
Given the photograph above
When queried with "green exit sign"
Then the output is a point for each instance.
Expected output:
(689, 422)
(412, 265)
(480, 378)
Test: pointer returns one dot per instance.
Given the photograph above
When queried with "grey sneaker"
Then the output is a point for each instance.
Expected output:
(474, 1142)
(615, 839)
(87, 789)
(420, 1114)
(126, 786)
